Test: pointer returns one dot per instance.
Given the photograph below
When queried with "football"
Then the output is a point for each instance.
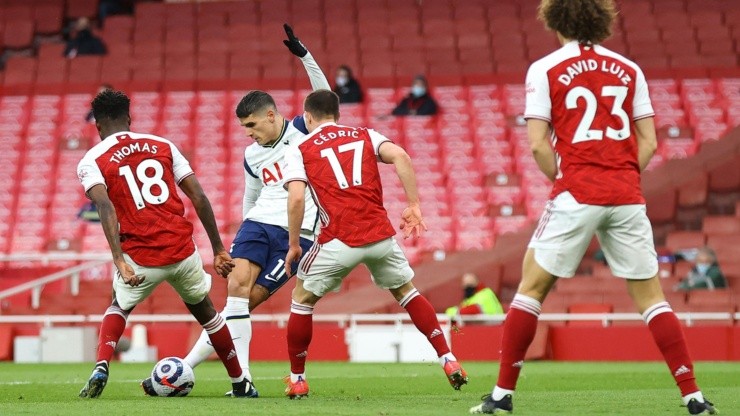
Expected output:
(172, 377)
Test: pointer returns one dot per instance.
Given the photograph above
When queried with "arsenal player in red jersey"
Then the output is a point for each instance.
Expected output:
(132, 178)
(590, 126)
(339, 164)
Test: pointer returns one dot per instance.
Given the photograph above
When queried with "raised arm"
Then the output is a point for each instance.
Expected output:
(412, 222)
(297, 48)
(221, 259)
(109, 220)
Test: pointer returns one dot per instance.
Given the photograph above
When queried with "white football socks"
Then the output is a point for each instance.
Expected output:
(696, 395)
(200, 351)
(294, 377)
(446, 357)
(236, 313)
(499, 393)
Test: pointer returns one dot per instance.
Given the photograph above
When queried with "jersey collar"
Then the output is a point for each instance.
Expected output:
(280, 137)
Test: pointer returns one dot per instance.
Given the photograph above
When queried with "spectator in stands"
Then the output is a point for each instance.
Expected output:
(705, 274)
(419, 102)
(346, 86)
(477, 299)
(84, 42)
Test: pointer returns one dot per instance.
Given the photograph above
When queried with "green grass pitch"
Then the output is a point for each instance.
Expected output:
(546, 388)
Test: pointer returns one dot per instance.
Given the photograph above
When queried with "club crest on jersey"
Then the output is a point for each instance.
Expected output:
(269, 176)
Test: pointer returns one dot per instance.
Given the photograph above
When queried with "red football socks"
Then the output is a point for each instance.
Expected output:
(220, 337)
(519, 330)
(300, 331)
(111, 329)
(668, 336)
(425, 319)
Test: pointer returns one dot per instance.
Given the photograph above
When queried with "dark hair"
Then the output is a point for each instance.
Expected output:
(581, 20)
(110, 104)
(348, 69)
(254, 102)
(322, 104)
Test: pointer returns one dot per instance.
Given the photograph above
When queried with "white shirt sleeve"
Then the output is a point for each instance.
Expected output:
(641, 105)
(252, 189)
(89, 173)
(294, 169)
(377, 139)
(180, 166)
(538, 104)
(315, 74)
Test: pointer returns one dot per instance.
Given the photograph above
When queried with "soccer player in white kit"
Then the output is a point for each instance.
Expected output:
(593, 105)
(261, 243)
(133, 179)
(339, 164)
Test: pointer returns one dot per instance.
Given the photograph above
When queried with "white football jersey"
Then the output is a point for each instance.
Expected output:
(265, 198)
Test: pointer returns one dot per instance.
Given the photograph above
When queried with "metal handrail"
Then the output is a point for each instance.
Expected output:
(358, 319)
(37, 285)
(46, 258)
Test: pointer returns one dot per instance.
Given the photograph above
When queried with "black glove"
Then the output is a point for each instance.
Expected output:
(293, 43)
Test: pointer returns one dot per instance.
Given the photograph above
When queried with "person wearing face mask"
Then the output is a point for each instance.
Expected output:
(477, 300)
(347, 87)
(84, 41)
(418, 102)
(705, 274)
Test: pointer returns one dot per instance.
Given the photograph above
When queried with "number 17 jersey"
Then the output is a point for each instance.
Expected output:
(591, 96)
(340, 165)
(141, 173)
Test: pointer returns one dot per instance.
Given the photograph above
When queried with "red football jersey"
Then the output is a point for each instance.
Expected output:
(141, 173)
(591, 96)
(340, 165)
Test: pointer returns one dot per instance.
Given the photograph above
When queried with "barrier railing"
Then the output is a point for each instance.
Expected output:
(344, 320)
(36, 286)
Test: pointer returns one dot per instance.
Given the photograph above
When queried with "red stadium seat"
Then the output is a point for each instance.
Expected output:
(683, 240)
(48, 18)
(18, 34)
(81, 8)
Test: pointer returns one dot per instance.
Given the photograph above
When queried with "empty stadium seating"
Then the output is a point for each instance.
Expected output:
(187, 64)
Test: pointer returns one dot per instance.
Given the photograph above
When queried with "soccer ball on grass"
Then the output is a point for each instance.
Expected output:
(172, 377)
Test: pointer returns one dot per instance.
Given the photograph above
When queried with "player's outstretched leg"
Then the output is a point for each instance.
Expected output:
(300, 331)
(111, 329)
(220, 337)
(425, 319)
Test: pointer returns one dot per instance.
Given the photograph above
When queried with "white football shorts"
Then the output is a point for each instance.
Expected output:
(187, 277)
(324, 267)
(566, 228)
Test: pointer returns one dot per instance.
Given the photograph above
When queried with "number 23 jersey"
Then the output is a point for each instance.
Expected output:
(591, 96)
(141, 173)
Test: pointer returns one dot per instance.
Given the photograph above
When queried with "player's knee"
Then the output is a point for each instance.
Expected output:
(303, 296)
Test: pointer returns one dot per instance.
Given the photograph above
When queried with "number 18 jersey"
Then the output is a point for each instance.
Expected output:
(340, 165)
(141, 173)
(591, 96)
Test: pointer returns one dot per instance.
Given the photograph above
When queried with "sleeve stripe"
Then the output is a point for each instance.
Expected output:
(249, 171)
(191, 173)
(528, 116)
(643, 116)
